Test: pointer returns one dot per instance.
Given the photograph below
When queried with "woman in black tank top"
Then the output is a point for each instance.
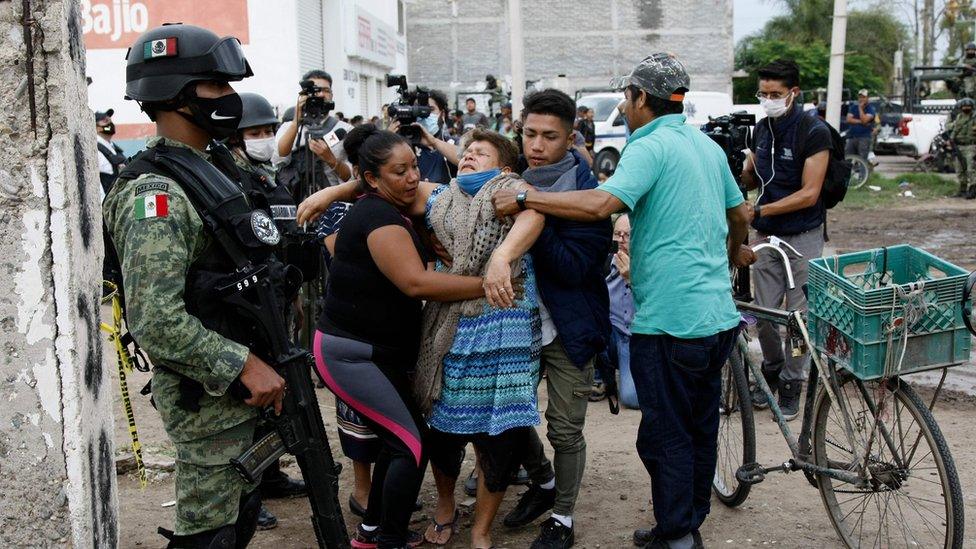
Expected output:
(369, 332)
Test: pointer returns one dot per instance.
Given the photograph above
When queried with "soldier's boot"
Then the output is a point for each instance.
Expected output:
(247, 518)
(961, 193)
(224, 537)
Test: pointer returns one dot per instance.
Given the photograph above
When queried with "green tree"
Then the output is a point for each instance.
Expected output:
(813, 59)
(803, 33)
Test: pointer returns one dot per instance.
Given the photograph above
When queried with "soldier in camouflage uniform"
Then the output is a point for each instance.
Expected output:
(967, 85)
(962, 133)
(158, 235)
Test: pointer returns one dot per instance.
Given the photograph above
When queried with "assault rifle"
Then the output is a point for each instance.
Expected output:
(299, 430)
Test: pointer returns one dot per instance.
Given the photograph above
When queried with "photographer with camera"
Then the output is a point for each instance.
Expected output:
(788, 163)
(436, 158)
(420, 115)
(313, 131)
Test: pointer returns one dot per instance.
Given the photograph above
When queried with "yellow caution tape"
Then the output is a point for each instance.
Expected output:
(125, 365)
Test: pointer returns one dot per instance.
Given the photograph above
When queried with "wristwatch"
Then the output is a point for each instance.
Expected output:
(520, 199)
(757, 211)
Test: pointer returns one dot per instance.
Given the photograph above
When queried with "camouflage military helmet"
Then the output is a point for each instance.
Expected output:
(660, 75)
(965, 102)
(163, 60)
(257, 111)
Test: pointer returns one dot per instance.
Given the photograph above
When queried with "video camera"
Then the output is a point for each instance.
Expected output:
(731, 132)
(411, 106)
(316, 109)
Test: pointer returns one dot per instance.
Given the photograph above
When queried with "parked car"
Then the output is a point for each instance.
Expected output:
(612, 131)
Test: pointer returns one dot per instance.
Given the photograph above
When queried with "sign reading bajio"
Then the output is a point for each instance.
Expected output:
(109, 24)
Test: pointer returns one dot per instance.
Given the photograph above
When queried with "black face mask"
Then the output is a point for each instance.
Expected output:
(218, 116)
(970, 54)
(107, 129)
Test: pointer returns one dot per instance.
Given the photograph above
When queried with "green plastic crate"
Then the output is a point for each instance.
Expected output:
(850, 309)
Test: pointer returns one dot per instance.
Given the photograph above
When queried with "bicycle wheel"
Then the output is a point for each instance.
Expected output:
(860, 171)
(736, 432)
(911, 495)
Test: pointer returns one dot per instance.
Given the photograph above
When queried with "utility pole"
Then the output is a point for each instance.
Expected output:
(518, 61)
(928, 31)
(835, 76)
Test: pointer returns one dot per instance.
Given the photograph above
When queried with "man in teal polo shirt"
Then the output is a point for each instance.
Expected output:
(687, 220)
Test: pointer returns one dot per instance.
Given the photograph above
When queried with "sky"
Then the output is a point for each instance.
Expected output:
(750, 15)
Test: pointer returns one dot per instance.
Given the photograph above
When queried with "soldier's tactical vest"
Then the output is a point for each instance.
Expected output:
(244, 236)
(255, 181)
(261, 187)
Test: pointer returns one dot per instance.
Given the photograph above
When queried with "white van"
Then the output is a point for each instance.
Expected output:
(611, 132)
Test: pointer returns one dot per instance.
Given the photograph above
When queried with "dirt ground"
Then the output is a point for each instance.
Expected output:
(783, 511)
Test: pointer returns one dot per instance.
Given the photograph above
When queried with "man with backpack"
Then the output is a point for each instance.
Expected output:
(790, 157)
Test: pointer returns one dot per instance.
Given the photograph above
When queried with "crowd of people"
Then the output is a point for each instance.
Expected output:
(467, 269)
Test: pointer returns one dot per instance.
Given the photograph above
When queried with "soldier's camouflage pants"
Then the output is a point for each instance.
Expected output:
(964, 166)
(208, 489)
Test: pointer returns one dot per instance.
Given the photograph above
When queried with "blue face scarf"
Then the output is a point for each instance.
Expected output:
(471, 183)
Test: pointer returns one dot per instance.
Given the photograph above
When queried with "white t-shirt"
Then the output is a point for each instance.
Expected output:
(104, 166)
(549, 331)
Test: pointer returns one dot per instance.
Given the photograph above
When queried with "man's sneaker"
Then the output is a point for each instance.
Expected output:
(533, 503)
(554, 535)
(266, 519)
(368, 539)
(789, 398)
(644, 538)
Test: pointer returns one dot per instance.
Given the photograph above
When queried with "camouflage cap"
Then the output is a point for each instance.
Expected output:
(966, 102)
(660, 75)
(970, 46)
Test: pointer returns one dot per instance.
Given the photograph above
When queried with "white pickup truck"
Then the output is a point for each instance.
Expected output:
(611, 132)
(913, 135)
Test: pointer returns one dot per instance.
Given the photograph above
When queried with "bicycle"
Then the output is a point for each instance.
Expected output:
(860, 170)
(872, 448)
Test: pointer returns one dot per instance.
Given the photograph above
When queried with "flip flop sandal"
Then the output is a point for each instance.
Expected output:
(438, 528)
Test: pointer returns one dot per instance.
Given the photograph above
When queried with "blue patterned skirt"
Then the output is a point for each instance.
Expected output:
(492, 370)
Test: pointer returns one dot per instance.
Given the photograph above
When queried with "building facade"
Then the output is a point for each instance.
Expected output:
(357, 41)
(454, 44)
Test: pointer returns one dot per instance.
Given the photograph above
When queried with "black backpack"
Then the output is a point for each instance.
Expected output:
(838, 170)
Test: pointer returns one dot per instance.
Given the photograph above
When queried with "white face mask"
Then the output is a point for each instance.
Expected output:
(260, 149)
(775, 107)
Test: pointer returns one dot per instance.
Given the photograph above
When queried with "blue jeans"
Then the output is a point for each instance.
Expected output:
(678, 385)
(620, 355)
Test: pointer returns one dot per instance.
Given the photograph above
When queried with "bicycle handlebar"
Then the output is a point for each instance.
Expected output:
(776, 243)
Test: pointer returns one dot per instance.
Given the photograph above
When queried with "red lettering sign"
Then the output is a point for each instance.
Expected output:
(109, 24)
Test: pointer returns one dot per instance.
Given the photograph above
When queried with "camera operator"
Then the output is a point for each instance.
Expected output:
(290, 140)
(788, 163)
(436, 157)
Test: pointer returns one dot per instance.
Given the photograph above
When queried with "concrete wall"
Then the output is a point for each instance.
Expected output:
(455, 44)
(56, 468)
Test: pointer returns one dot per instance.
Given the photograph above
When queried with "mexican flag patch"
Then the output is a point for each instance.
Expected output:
(152, 206)
(165, 47)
